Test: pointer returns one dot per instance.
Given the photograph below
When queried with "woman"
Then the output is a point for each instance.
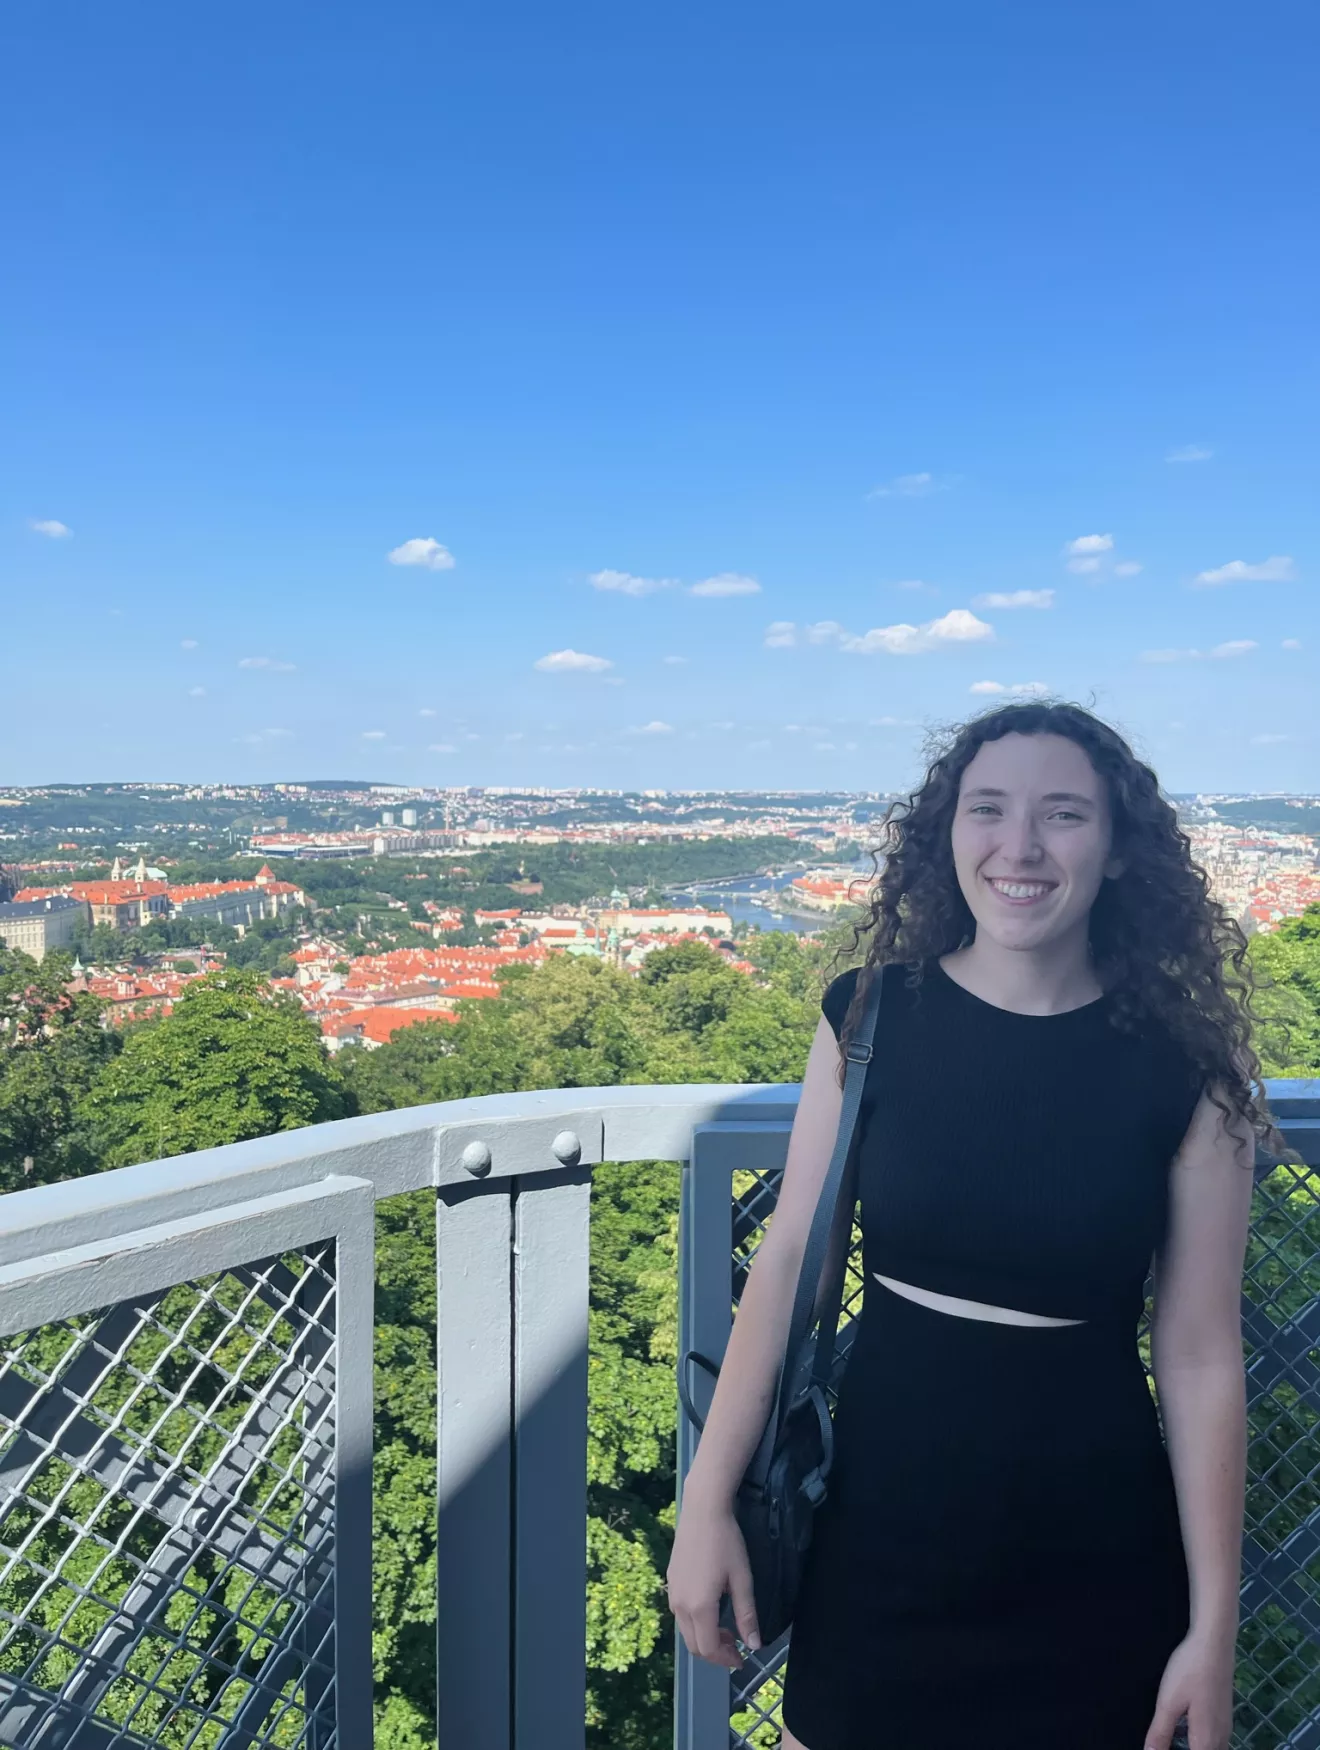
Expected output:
(1062, 1095)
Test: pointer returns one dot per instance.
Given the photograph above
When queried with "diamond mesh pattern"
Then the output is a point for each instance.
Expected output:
(1278, 1674)
(166, 1518)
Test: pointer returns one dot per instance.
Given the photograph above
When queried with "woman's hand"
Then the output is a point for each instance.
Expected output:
(1198, 1682)
(709, 1559)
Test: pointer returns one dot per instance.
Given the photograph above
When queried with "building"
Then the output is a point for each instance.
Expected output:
(124, 905)
(35, 926)
(637, 920)
(376, 1026)
(239, 903)
(818, 890)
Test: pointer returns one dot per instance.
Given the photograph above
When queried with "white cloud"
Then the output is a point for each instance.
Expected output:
(1279, 569)
(1128, 568)
(196, 692)
(1268, 740)
(654, 727)
(1017, 598)
(1021, 689)
(422, 551)
(269, 662)
(722, 725)
(187, 644)
(259, 737)
(726, 583)
(614, 680)
(958, 626)
(625, 583)
(673, 660)
(48, 526)
(1090, 544)
(916, 583)
(442, 747)
(1083, 566)
(515, 735)
(825, 632)
(823, 746)
(894, 722)
(568, 661)
(1291, 644)
(1189, 453)
(426, 711)
(373, 735)
(908, 486)
(1220, 652)
(779, 634)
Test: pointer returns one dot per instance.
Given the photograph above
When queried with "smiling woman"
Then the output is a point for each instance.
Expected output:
(1012, 1549)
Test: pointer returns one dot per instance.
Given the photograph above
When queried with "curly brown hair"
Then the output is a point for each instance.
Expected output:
(1163, 950)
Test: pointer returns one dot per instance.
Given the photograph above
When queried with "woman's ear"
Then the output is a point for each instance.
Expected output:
(1114, 867)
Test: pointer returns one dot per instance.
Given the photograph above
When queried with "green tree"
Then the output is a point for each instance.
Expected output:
(53, 1046)
(234, 1060)
(1286, 963)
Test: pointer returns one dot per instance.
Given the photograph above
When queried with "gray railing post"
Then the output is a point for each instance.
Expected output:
(474, 1403)
(355, 1267)
(551, 1224)
(702, 1691)
(512, 1261)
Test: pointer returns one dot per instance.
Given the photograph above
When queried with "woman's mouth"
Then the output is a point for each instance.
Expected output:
(1020, 892)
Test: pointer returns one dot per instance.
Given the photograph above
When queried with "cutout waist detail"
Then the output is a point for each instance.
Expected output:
(968, 1309)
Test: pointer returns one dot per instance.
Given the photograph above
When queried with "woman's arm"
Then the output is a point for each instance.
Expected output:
(749, 1373)
(1196, 1354)
(709, 1557)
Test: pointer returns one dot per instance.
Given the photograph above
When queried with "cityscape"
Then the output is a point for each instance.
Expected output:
(151, 887)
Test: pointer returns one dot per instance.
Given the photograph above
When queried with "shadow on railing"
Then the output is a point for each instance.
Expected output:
(186, 1406)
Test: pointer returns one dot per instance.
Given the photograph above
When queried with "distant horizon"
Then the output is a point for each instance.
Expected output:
(383, 784)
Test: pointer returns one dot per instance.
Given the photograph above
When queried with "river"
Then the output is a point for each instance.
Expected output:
(734, 898)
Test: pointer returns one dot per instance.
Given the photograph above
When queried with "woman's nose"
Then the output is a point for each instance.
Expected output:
(1021, 840)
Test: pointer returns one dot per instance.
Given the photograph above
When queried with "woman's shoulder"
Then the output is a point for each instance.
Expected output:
(839, 993)
(837, 996)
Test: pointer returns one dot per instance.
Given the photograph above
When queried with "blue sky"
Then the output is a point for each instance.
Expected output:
(716, 344)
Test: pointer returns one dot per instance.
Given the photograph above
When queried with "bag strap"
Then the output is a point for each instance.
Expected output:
(832, 1210)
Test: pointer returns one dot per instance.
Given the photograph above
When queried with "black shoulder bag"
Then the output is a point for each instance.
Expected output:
(786, 1479)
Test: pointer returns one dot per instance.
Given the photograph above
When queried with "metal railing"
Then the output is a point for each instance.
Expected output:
(186, 1408)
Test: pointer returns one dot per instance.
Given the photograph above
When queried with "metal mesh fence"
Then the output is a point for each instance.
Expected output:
(166, 1518)
(1278, 1672)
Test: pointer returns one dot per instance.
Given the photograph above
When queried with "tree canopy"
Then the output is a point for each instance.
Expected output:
(53, 1047)
(236, 1059)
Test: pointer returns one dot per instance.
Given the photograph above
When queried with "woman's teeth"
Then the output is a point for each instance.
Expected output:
(1021, 889)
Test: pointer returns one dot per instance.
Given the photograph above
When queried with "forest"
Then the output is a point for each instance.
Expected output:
(237, 1060)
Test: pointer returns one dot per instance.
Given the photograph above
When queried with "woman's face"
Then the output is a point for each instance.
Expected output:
(1032, 839)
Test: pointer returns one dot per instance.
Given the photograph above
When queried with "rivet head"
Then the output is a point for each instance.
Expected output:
(476, 1158)
(567, 1147)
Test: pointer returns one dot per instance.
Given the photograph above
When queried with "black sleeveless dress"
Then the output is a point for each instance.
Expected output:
(998, 1565)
